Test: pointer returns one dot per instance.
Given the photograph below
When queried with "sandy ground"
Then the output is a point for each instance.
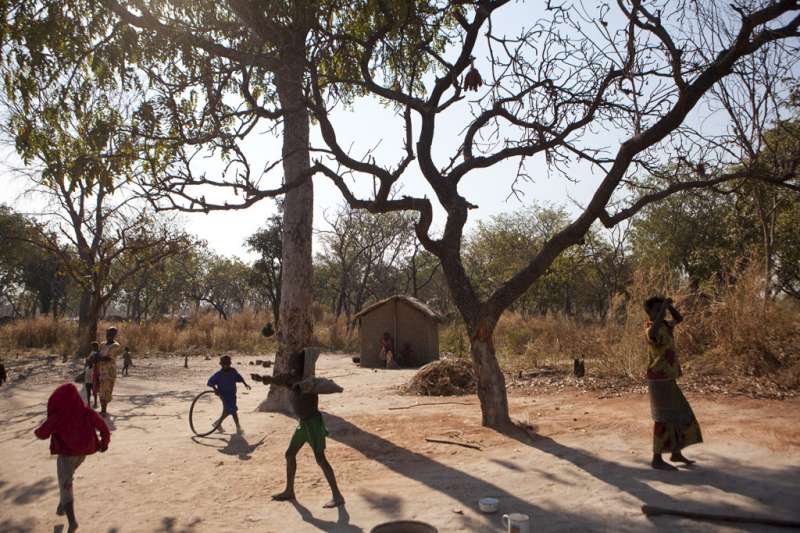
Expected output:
(586, 470)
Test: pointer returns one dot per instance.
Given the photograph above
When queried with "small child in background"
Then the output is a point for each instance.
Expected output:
(127, 362)
(224, 384)
(88, 374)
(72, 428)
(95, 374)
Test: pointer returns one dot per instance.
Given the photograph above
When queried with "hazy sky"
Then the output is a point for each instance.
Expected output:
(368, 125)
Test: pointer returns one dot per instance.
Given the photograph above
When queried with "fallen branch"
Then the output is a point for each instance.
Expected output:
(445, 441)
(651, 510)
(427, 403)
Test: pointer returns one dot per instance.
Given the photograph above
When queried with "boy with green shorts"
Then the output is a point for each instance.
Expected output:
(304, 397)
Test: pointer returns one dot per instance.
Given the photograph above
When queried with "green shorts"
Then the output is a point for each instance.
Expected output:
(312, 431)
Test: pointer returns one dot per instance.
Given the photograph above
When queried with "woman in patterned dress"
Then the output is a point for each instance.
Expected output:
(107, 368)
(675, 426)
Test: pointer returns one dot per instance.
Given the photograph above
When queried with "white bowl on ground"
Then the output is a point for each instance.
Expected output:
(488, 505)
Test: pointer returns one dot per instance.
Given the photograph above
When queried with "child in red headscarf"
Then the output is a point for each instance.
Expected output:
(72, 427)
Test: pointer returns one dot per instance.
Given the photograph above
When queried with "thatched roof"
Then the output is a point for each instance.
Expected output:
(410, 300)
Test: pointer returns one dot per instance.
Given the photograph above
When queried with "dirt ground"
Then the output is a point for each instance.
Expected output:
(585, 470)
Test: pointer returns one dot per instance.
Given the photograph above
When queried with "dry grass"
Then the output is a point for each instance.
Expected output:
(37, 333)
(205, 333)
(729, 330)
(333, 334)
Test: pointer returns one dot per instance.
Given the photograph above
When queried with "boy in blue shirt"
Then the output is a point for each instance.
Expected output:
(224, 384)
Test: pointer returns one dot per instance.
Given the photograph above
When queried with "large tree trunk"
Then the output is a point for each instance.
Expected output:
(295, 329)
(88, 317)
(491, 382)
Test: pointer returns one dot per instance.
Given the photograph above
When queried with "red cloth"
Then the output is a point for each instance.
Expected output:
(72, 426)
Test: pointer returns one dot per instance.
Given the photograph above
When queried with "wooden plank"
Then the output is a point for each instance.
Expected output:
(652, 510)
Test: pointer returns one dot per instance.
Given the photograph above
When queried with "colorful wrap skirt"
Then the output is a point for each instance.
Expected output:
(675, 426)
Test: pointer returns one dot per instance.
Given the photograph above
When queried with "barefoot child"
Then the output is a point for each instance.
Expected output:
(675, 426)
(127, 361)
(305, 390)
(90, 373)
(72, 428)
(224, 384)
(95, 372)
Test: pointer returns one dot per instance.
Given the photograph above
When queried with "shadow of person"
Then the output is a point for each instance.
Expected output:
(238, 446)
(342, 524)
(24, 494)
(749, 482)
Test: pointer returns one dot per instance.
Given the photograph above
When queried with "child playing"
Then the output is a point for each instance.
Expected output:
(126, 361)
(675, 426)
(72, 428)
(224, 384)
(311, 429)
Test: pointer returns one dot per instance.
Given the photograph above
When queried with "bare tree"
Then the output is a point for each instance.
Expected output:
(109, 242)
(759, 140)
(558, 91)
(364, 250)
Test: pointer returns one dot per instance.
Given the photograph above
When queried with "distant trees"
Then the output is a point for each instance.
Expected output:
(706, 235)
(162, 291)
(109, 243)
(267, 275)
(223, 283)
(31, 279)
(582, 280)
(361, 258)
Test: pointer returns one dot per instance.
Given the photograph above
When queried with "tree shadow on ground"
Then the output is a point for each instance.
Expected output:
(342, 524)
(460, 485)
(29, 419)
(140, 403)
(21, 494)
(12, 526)
(766, 487)
(22, 370)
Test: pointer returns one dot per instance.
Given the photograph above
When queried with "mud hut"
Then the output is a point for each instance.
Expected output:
(413, 325)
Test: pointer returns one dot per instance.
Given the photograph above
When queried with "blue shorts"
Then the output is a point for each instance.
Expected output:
(229, 403)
